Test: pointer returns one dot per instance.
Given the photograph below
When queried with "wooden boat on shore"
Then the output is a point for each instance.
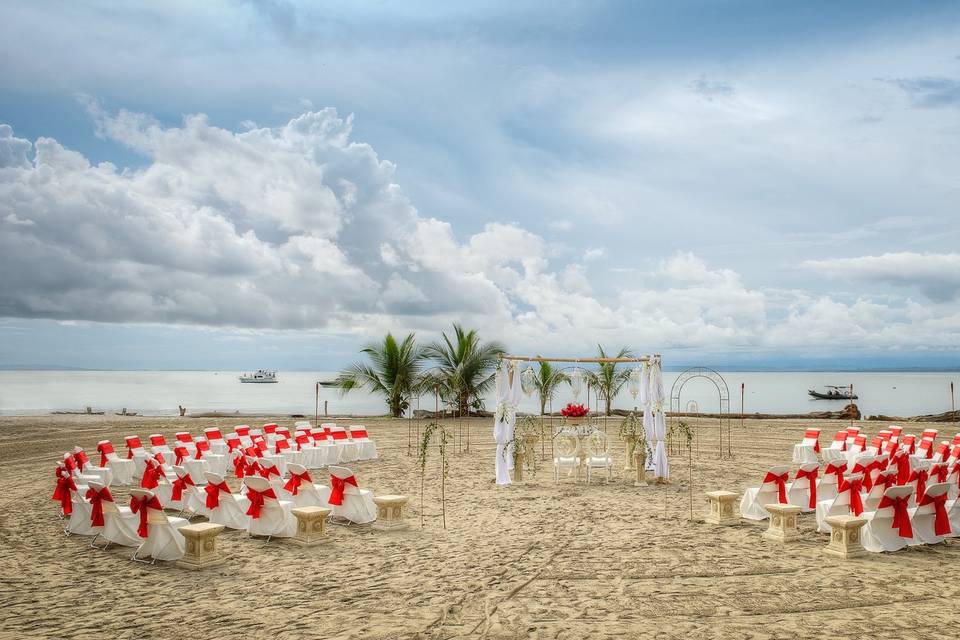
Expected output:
(833, 393)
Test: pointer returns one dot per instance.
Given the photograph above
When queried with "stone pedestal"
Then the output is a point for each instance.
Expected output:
(629, 443)
(201, 545)
(640, 465)
(390, 513)
(783, 523)
(845, 537)
(311, 526)
(722, 510)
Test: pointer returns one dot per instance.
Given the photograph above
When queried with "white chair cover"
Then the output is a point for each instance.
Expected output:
(756, 498)
(227, 509)
(931, 520)
(802, 492)
(357, 504)
(302, 491)
(121, 469)
(848, 494)
(119, 523)
(163, 541)
(879, 533)
(268, 515)
(366, 448)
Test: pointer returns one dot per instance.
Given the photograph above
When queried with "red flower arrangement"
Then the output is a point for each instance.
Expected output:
(574, 411)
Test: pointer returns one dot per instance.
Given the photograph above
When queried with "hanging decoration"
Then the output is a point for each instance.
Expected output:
(634, 384)
(576, 382)
(528, 381)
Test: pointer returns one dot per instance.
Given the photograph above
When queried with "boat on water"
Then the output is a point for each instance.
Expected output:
(833, 392)
(260, 376)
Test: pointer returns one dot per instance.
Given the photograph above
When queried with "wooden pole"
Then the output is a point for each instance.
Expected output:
(575, 360)
(316, 412)
(743, 388)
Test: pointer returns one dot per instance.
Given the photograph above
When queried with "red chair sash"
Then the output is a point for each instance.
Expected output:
(104, 449)
(158, 456)
(213, 434)
(179, 485)
(140, 505)
(234, 443)
(903, 468)
(242, 431)
(339, 485)
(132, 443)
(281, 445)
(270, 428)
(853, 486)
(96, 499)
(339, 435)
(184, 437)
(302, 439)
(213, 494)
(252, 469)
(239, 465)
(901, 517)
(362, 434)
(181, 454)
(812, 476)
(837, 469)
(70, 463)
(158, 441)
(865, 470)
(941, 522)
(266, 472)
(296, 479)
(920, 476)
(939, 471)
(81, 459)
(257, 499)
(61, 493)
(886, 480)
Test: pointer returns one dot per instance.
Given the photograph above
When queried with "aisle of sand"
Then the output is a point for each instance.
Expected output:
(534, 560)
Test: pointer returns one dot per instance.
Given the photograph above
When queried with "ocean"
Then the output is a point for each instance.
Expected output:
(160, 393)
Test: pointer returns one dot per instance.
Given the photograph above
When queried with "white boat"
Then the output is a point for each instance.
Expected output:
(260, 375)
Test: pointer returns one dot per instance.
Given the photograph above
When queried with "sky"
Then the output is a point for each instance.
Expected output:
(234, 185)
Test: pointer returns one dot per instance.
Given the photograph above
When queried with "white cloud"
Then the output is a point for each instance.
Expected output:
(594, 253)
(937, 275)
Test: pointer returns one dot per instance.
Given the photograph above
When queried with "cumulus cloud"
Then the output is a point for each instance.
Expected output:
(936, 275)
(302, 227)
(931, 92)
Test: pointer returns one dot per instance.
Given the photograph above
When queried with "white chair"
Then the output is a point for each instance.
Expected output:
(185, 495)
(881, 483)
(185, 440)
(346, 450)
(857, 448)
(918, 480)
(832, 475)
(847, 502)
(119, 523)
(270, 472)
(323, 442)
(95, 498)
(222, 506)
(161, 538)
(217, 444)
(598, 455)
(137, 453)
(215, 462)
(837, 449)
(158, 444)
(931, 520)
(121, 469)
(366, 448)
(773, 490)
(953, 480)
(81, 512)
(90, 470)
(269, 516)
(567, 455)
(888, 528)
(310, 456)
(302, 491)
(347, 500)
(802, 492)
(71, 467)
(61, 492)
(243, 432)
(806, 452)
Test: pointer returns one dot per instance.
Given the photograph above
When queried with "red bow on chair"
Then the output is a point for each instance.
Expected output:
(920, 476)
(256, 500)
(781, 481)
(266, 472)
(302, 439)
(812, 476)
(96, 499)
(296, 479)
(133, 443)
(939, 471)
(901, 517)
(941, 523)
(339, 485)
(836, 469)
(886, 480)
(280, 446)
(151, 474)
(104, 449)
(158, 456)
(65, 485)
(179, 485)
(81, 459)
(140, 505)
(202, 447)
(181, 454)
(903, 467)
(252, 469)
(213, 494)
(853, 486)
(238, 466)
(865, 470)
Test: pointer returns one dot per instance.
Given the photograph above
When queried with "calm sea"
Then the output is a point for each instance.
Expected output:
(160, 392)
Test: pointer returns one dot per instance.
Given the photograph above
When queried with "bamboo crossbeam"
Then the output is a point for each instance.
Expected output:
(575, 360)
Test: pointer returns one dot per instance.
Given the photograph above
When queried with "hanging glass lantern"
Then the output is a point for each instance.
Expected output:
(576, 382)
(528, 381)
(634, 385)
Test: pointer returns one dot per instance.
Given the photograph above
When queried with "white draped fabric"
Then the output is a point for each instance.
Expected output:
(505, 418)
(655, 399)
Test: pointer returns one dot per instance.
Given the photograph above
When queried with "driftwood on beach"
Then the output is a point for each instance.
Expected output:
(947, 416)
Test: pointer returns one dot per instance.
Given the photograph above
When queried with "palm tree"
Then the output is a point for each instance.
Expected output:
(548, 379)
(608, 380)
(463, 367)
(392, 372)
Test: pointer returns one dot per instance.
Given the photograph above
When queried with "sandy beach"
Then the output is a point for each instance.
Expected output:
(534, 560)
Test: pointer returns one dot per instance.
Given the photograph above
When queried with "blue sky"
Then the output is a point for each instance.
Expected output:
(724, 181)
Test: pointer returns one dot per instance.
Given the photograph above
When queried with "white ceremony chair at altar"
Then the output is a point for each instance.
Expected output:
(269, 516)
(802, 492)
(366, 448)
(161, 539)
(137, 453)
(302, 491)
(773, 490)
(347, 500)
(806, 452)
(119, 523)
(848, 501)
(931, 520)
(121, 469)
(598, 455)
(889, 527)
(830, 480)
(217, 444)
(346, 449)
(184, 439)
(222, 506)
(837, 449)
(566, 456)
